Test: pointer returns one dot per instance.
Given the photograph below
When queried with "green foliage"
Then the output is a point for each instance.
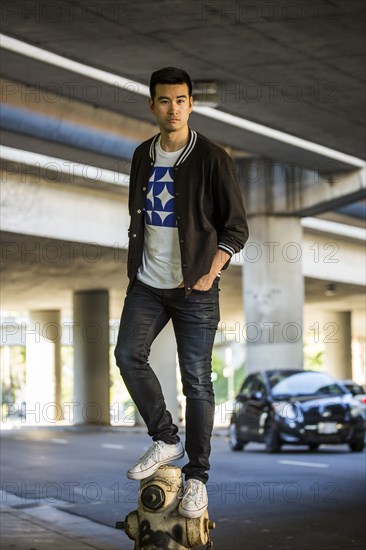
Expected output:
(67, 374)
(220, 382)
(13, 374)
(314, 361)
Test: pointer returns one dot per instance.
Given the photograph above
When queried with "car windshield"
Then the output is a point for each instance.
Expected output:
(355, 389)
(303, 384)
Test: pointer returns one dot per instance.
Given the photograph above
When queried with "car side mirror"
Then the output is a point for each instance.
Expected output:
(241, 398)
(257, 396)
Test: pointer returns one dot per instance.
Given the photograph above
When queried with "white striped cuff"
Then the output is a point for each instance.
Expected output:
(226, 248)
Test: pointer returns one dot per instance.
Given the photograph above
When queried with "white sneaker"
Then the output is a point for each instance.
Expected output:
(194, 499)
(158, 454)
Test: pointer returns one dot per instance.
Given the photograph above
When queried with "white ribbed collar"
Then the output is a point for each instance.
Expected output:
(186, 152)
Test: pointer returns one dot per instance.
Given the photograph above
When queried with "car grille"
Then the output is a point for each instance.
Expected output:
(316, 414)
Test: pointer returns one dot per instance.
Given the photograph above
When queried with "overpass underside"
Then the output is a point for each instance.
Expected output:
(74, 106)
(64, 250)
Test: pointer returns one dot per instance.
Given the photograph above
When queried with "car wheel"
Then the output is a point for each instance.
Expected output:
(314, 446)
(272, 440)
(357, 445)
(235, 443)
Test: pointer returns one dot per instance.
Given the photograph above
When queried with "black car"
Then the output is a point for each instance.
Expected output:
(295, 407)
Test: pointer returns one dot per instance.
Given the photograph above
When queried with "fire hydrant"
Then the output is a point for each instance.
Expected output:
(157, 524)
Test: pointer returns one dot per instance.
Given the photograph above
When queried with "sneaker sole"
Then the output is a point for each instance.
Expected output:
(194, 515)
(150, 471)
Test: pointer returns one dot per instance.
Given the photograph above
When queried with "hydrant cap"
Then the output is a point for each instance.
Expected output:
(153, 497)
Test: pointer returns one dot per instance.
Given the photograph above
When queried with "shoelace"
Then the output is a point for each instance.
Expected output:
(192, 489)
(154, 451)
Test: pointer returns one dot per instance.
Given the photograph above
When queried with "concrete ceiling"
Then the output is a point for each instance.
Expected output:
(295, 67)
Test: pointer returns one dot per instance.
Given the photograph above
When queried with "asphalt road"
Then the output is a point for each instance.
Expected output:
(296, 500)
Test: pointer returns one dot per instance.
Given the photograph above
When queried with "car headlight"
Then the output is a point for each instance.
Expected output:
(355, 409)
(285, 410)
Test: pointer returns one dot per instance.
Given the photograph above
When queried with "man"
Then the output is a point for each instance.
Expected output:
(187, 220)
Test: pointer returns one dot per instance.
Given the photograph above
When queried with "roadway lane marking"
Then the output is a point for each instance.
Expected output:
(112, 446)
(60, 441)
(300, 463)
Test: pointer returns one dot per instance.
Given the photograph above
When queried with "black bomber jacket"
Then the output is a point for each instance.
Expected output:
(208, 202)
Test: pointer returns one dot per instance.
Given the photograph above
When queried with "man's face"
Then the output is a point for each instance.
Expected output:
(171, 106)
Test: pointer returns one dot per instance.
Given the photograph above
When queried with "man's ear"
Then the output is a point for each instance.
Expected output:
(190, 103)
(151, 105)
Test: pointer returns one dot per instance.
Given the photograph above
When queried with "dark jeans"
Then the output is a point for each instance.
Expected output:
(146, 311)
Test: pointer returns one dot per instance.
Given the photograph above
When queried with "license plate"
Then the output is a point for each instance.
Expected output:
(327, 427)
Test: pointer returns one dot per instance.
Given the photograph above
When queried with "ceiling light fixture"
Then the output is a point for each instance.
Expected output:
(331, 290)
(205, 93)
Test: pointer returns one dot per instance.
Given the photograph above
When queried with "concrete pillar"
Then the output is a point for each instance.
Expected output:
(273, 293)
(337, 343)
(43, 367)
(91, 357)
(163, 359)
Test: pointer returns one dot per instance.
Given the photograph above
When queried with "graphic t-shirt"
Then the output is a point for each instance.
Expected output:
(161, 261)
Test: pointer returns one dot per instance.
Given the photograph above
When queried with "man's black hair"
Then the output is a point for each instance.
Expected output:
(169, 75)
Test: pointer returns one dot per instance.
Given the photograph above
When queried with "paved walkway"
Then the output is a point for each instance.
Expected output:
(26, 526)
(45, 528)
